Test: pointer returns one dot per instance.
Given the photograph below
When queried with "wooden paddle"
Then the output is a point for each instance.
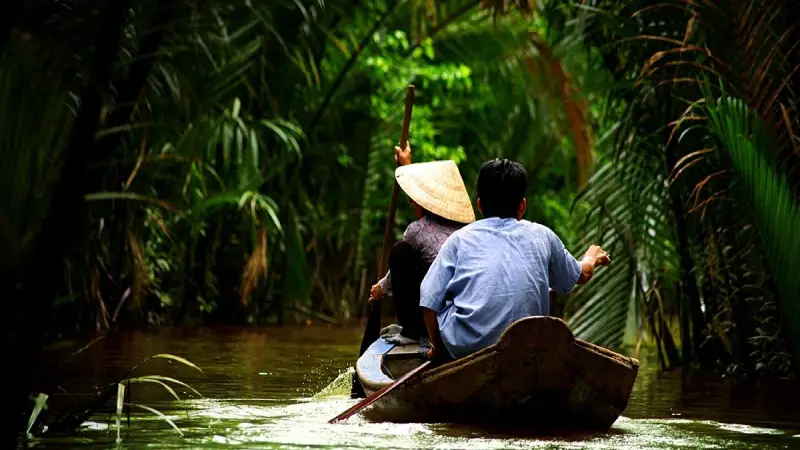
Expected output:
(373, 329)
(379, 393)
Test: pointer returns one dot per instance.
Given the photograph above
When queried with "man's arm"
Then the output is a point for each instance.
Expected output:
(434, 287)
(565, 271)
(432, 324)
(593, 258)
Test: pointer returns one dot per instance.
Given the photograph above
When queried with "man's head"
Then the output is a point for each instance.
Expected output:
(501, 189)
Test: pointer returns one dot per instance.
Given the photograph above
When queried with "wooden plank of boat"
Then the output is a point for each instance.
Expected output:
(537, 373)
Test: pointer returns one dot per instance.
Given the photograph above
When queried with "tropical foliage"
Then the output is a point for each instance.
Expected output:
(223, 162)
(243, 161)
(691, 210)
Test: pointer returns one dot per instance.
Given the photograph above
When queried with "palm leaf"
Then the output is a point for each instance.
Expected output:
(628, 215)
(775, 207)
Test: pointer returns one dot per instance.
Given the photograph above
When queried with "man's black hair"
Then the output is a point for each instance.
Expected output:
(501, 187)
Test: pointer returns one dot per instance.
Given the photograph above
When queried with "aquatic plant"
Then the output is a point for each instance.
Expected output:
(157, 379)
(69, 420)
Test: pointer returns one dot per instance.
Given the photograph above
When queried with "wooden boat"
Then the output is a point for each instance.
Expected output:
(538, 373)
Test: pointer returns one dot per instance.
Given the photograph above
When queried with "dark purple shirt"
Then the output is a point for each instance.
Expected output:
(426, 236)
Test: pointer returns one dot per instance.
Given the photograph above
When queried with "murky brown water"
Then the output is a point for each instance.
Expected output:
(259, 389)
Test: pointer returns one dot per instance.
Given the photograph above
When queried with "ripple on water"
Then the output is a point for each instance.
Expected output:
(260, 394)
(303, 424)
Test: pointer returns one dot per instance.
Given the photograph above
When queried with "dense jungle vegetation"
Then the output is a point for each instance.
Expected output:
(218, 162)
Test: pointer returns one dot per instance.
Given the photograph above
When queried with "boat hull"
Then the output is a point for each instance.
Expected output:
(536, 374)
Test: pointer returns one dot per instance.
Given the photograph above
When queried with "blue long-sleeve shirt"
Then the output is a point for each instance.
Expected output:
(492, 273)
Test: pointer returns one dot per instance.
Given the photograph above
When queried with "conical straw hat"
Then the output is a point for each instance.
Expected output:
(437, 186)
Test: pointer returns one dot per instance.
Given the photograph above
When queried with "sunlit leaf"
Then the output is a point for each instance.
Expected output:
(175, 358)
(159, 414)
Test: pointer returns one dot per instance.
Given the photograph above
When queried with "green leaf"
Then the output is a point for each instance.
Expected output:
(774, 206)
(296, 286)
(153, 380)
(175, 358)
(161, 378)
(159, 414)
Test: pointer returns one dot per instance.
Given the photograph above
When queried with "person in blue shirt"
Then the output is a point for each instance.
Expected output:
(497, 270)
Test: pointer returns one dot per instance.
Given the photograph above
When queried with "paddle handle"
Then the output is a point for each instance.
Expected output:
(373, 328)
(407, 116)
(387, 232)
(379, 393)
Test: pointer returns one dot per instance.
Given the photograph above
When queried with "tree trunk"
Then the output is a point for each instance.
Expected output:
(130, 91)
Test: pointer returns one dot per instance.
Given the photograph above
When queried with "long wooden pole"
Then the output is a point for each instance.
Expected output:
(373, 328)
(387, 231)
(380, 393)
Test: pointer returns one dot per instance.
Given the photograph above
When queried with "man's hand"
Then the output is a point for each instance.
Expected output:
(433, 330)
(593, 258)
(375, 293)
(597, 255)
(402, 156)
(431, 353)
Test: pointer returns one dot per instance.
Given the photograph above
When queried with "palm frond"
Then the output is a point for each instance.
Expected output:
(775, 206)
(629, 217)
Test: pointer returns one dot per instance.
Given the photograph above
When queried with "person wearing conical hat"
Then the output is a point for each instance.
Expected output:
(437, 193)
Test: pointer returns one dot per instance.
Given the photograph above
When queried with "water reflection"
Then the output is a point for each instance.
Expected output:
(259, 386)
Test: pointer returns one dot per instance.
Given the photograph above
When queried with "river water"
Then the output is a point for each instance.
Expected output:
(277, 387)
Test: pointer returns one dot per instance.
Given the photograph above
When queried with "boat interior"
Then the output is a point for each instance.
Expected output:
(400, 360)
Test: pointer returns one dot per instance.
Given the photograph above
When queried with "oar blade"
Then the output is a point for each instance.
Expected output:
(378, 394)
